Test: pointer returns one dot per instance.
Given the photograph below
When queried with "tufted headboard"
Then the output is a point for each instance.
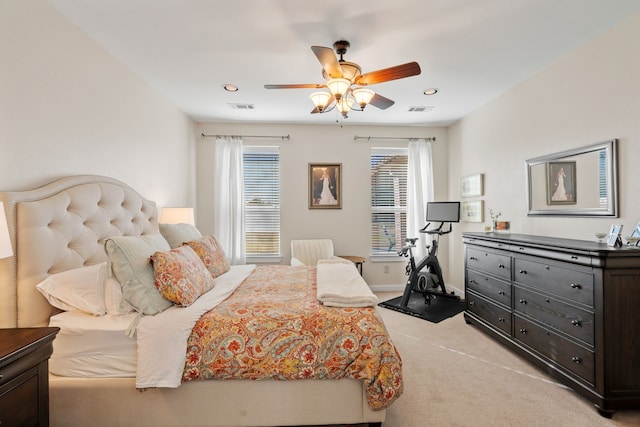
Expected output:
(62, 226)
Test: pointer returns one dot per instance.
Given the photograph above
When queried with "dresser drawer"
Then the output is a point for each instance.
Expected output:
(490, 312)
(565, 353)
(489, 287)
(556, 279)
(497, 264)
(19, 400)
(571, 320)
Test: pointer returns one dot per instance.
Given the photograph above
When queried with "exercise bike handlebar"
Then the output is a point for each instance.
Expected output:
(439, 231)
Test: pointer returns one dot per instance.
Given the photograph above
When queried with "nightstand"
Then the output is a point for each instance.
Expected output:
(24, 376)
(357, 260)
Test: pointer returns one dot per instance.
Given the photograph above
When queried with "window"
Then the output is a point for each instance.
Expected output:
(388, 200)
(261, 168)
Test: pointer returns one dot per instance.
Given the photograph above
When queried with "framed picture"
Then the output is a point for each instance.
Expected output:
(615, 235)
(325, 183)
(561, 183)
(472, 185)
(472, 211)
(636, 231)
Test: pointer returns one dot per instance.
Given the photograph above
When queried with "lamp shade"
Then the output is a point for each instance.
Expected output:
(363, 96)
(177, 216)
(338, 87)
(5, 240)
(320, 100)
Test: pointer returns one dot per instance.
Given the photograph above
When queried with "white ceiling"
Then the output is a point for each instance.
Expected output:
(471, 50)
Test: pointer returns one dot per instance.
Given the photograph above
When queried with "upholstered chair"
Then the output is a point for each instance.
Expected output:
(309, 252)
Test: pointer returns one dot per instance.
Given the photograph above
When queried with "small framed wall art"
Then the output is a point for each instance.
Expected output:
(472, 211)
(325, 183)
(472, 185)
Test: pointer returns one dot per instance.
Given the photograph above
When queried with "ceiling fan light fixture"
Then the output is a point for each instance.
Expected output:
(344, 105)
(338, 87)
(320, 100)
(363, 96)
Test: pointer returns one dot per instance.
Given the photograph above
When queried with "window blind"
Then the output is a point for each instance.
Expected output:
(261, 168)
(388, 169)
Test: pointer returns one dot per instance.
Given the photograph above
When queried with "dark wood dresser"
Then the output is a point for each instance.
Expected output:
(571, 307)
(24, 376)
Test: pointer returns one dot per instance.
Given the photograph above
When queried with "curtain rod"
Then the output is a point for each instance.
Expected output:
(369, 138)
(283, 137)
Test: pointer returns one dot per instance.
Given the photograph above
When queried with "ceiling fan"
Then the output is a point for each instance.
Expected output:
(346, 82)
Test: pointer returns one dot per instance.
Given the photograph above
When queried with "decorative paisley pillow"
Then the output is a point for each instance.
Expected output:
(211, 254)
(180, 275)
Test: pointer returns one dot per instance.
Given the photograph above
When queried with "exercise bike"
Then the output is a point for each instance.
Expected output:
(425, 277)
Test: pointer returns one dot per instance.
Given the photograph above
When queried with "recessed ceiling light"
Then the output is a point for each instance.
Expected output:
(431, 91)
(230, 88)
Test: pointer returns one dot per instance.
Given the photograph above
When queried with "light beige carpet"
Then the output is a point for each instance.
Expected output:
(456, 375)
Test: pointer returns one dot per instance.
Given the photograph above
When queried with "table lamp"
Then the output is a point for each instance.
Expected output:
(177, 216)
(5, 240)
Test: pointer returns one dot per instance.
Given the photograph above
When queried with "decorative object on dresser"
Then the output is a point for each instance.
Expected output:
(615, 235)
(24, 376)
(568, 306)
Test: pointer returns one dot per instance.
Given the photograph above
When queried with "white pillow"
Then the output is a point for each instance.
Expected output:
(80, 289)
(114, 302)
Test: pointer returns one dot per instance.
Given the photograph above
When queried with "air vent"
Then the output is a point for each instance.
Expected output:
(242, 106)
(421, 109)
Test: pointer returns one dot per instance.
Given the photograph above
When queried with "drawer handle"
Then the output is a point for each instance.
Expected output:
(473, 258)
(473, 281)
(500, 292)
(500, 265)
(523, 272)
(501, 319)
(576, 286)
(574, 257)
(523, 331)
(576, 323)
(521, 248)
(472, 303)
(576, 359)
(523, 301)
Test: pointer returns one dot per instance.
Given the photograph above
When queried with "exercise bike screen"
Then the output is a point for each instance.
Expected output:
(443, 211)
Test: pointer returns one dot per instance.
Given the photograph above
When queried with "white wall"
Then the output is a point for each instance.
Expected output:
(68, 107)
(349, 227)
(590, 96)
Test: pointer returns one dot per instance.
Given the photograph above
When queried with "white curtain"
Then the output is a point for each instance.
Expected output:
(228, 199)
(419, 191)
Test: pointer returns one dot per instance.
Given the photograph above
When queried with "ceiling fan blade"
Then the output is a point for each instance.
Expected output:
(328, 60)
(392, 73)
(381, 102)
(297, 86)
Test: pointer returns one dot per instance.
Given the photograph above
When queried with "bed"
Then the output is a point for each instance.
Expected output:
(62, 227)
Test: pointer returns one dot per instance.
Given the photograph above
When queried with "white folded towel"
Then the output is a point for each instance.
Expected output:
(340, 285)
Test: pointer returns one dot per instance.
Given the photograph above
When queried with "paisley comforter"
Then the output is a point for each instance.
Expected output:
(274, 327)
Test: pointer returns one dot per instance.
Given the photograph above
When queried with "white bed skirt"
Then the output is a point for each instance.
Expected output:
(114, 402)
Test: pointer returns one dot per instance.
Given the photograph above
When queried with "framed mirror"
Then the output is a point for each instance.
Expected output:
(579, 182)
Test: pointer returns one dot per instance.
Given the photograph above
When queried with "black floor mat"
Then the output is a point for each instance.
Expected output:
(441, 308)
